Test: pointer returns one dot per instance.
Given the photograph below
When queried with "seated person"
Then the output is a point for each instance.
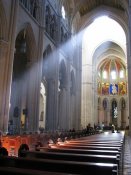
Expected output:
(23, 147)
(38, 144)
(3, 151)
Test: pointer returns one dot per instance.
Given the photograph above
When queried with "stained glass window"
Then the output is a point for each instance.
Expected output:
(121, 73)
(105, 88)
(113, 75)
(105, 74)
(113, 89)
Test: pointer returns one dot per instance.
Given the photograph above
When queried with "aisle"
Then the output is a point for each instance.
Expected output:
(127, 156)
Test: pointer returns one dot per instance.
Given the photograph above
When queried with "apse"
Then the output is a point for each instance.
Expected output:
(101, 42)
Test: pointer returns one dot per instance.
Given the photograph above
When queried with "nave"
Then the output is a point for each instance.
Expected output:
(93, 153)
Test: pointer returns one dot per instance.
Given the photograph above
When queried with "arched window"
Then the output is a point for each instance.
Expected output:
(104, 74)
(63, 12)
(113, 74)
(121, 73)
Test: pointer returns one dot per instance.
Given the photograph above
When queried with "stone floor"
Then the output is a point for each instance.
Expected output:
(127, 156)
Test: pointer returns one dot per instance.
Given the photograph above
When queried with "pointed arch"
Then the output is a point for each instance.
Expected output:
(31, 41)
(115, 14)
(105, 103)
(122, 103)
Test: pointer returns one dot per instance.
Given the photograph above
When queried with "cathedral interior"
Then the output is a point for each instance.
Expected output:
(64, 66)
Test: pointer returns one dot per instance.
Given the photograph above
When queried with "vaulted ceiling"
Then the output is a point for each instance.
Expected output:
(85, 6)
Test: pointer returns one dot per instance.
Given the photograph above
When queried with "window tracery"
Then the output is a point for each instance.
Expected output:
(32, 6)
(63, 12)
(51, 23)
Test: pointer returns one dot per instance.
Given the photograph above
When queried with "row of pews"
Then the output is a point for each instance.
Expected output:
(12, 143)
(96, 154)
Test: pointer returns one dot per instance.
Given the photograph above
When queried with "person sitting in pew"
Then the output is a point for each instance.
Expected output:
(23, 147)
(3, 151)
(113, 128)
(38, 145)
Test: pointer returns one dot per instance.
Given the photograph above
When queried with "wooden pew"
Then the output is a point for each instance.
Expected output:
(89, 147)
(89, 140)
(81, 151)
(72, 157)
(60, 166)
(22, 171)
(92, 143)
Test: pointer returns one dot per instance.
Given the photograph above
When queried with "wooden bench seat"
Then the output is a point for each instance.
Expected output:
(96, 141)
(81, 151)
(22, 171)
(89, 147)
(60, 166)
(93, 144)
(73, 157)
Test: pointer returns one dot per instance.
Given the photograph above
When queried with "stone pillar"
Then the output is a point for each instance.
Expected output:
(34, 80)
(62, 109)
(50, 110)
(68, 99)
(108, 117)
(119, 118)
(98, 117)
(129, 66)
(32, 98)
(52, 93)
(3, 55)
(6, 61)
(78, 84)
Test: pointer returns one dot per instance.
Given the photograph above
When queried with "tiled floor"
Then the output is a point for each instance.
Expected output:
(127, 156)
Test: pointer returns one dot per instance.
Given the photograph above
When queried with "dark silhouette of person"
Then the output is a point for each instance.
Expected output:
(38, 145)
(3, 151)
(23, 147)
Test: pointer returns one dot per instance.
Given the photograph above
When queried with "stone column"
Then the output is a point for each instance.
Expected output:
(78, 83)
(50, 111)
(34, 80)
(52, 93)
(3, 55)
(129, 66)
(119, 118)
(32, 98)
(6, 61)
(69, 105)
(108, 117)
